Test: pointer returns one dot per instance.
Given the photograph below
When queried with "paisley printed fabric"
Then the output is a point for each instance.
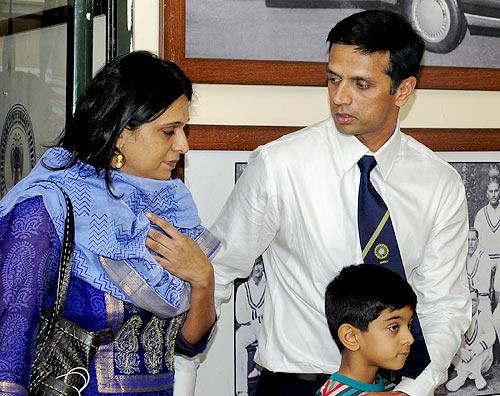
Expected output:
(115, 228)
(137, 362)
(29, 249)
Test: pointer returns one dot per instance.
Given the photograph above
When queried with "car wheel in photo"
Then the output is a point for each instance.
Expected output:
(441, 23)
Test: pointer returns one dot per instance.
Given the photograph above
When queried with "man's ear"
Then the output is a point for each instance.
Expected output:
(348, 336)
(405, 90)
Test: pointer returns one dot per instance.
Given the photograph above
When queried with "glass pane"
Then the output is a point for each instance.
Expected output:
(19, 8)
(32, 91)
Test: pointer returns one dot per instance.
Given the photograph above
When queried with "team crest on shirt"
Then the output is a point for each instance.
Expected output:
(381, 251)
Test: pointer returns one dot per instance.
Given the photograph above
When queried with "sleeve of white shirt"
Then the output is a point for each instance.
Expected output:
(440, 282)
(246, 225)
(185, 374)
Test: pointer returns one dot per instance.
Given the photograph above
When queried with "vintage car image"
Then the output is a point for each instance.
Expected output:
(441, 23)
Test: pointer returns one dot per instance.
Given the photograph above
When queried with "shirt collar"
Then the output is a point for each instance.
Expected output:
(357, 385)
(352, 150)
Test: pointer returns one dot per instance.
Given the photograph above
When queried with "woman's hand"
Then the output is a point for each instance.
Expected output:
(182, 257)
(179, 254)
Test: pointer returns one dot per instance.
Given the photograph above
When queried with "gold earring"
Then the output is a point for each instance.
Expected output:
(119, 159)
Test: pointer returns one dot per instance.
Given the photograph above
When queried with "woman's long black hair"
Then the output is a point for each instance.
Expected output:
(131, 90)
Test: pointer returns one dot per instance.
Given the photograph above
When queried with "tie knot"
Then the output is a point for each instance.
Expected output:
(367, 163)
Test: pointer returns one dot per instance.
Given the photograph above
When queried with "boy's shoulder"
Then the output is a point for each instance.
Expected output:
(332, 388)
(338, 384)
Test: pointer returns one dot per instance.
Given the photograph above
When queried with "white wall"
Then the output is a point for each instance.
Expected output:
(271, 105)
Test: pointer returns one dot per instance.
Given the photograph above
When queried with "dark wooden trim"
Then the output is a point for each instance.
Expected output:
(220, 71)
(223, 137)
(24, 23)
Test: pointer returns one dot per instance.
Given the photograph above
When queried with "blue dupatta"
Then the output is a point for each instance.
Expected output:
(110, 233)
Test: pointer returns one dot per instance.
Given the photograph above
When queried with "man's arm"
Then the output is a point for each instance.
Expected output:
(246, 225)
(440, 283)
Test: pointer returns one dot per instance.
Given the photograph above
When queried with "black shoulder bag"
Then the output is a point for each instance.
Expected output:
(63, 350)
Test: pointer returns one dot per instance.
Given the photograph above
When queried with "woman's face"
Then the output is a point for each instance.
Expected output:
(153, 149)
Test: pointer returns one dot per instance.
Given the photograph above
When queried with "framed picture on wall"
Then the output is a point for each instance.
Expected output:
(476, 367)
(248, 310)
(211, 176)
(283, 42)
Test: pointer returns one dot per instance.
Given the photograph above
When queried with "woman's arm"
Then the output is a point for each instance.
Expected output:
(29, 253)
(182, 257)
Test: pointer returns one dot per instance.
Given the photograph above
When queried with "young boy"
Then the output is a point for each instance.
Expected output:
(369, 311)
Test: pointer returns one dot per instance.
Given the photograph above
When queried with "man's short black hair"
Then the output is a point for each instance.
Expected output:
(382, 31)
(359, 294)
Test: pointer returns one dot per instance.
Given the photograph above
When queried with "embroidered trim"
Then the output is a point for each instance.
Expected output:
(126, 344)
(174, 327)
(152, 341)
(107, 380)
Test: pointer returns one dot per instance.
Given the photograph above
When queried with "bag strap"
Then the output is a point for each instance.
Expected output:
(66, 256)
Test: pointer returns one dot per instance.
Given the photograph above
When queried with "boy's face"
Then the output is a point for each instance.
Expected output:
(387, 342)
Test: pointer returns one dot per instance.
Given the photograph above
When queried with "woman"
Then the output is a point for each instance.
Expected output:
(155, 292)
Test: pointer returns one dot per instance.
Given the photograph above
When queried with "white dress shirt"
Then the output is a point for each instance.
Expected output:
(296, 203)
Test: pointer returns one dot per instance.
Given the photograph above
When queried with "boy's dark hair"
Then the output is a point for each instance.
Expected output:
(359, 293)
(380, 31)
(128, 92)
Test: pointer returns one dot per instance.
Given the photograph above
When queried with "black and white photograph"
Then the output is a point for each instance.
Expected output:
(248, 311)
(462, 33)
(476, 367)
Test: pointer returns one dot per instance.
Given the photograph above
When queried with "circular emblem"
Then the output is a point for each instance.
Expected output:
(17, 148)
(381, 251)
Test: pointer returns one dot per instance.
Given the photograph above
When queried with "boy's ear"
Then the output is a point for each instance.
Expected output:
(348, 336)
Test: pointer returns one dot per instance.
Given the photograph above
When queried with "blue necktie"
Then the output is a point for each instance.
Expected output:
(379, 246)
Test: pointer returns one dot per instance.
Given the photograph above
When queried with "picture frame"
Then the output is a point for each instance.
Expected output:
(248, 137)
(298, 73)
(480, 175)
(211, 177)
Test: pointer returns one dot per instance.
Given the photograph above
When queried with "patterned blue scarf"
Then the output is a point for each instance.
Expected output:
(110, 233)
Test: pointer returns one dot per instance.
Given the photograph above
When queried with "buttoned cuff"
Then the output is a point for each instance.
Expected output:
(421, 386)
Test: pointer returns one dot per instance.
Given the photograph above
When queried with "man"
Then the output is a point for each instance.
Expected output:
(487, 223)
(296, 203)
(475, 356)
(248, 310)
(479, 270)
